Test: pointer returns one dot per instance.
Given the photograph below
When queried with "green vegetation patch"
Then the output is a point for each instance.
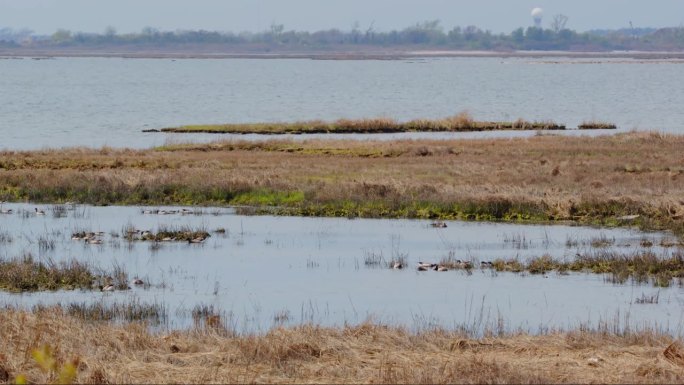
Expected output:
(268, 198)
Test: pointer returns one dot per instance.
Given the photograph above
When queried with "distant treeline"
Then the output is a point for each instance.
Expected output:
(425, 34)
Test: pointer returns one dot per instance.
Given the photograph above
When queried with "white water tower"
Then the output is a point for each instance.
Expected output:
(537, 15)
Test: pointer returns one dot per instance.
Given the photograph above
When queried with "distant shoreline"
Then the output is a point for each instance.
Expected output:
(199, 53)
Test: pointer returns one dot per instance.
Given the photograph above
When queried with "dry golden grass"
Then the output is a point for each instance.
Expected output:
(362, 354)
(584, 179)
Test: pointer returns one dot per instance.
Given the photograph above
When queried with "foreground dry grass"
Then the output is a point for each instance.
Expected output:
(543, 178)
(362, 354)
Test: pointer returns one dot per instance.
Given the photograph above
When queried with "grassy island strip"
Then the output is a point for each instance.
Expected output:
(85, 351)
(458, 123)
(625, 179)
(28, 275)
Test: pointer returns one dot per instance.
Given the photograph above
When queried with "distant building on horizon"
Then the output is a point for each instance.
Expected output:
(537, 16)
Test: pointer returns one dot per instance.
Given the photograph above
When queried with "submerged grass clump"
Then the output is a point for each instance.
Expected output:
(596, 125)
(451, 262)
(167, 234)
(5, 237)
(25, 274)
(130, 311)
(373, 259)
(641, 267)
(398, 261)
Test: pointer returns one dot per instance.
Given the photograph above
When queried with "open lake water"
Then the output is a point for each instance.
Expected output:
(108, 101)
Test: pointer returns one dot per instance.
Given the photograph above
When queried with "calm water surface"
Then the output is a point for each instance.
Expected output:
(314, 269)
(98, 101)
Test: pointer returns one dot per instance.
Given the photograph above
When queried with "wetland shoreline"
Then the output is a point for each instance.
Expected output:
(632, 179)
(356, 54)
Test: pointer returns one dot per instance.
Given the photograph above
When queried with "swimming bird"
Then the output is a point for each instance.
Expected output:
(440, 268)
(8, 211)
(438, 224)
(485, 264)
(39, 212)
(424, 266)
(398, 265)
(138, 282)
(108, 287)
(196, 240)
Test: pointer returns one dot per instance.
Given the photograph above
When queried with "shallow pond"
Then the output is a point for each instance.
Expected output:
(268, 270)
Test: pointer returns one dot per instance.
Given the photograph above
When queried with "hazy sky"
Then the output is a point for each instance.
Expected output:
(45, 16)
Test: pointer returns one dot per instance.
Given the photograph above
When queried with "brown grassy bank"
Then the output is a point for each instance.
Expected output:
(538, 179)
(460, 122)
(104, 353)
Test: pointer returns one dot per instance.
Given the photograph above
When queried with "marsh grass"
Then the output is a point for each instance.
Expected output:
(282, 317)
(374, 260)
(398, 258)
(648, 299)
(59, 211)
(166, 234)
(25, 274)
(519, 241)
(312, 264)
(599, 179)
(641, 267)
(364, 353)
(5, 237)
(601, 241)
(208, 318)
(128, 311)
(119, 277)
(460, 122)
(452, 263)
(46, 243)
(596, 125)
